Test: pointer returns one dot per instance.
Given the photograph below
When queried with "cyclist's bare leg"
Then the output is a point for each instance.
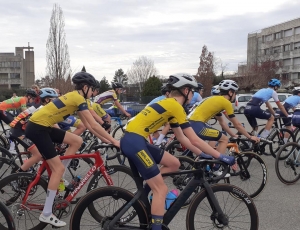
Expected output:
(74, 143)
(79, 129)
(212, 143)
(35, 158)
(223, 141)
(268, 127)
(169, 163)
(57, 169)
(286, 134)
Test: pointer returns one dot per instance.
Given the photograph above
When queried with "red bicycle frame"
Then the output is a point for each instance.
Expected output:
(98, 165)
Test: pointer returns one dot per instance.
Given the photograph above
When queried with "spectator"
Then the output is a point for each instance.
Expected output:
(37, 102)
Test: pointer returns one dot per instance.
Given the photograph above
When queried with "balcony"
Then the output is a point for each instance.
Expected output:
(7, 81)
(296, 68)
(286, 68)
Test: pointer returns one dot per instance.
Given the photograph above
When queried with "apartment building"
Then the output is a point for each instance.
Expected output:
(17, 70)
(280, 43)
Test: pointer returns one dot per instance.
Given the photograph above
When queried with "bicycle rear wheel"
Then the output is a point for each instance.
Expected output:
(107, 201)
(6, 167)
(278, 140)
(235, 204)
(6, 219)
(12, 190)
(286, 166)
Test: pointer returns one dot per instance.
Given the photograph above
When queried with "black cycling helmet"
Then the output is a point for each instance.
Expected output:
(200, 86)
(83, 77)
(116, 85)
(31, 92)
(164, 90)
(296, 90)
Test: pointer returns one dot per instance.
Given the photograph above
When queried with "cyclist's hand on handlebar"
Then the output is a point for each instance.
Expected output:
(116, 143)
(128, 114)
(254, 138)
(276, 115)
(290, 115)
(227, 159)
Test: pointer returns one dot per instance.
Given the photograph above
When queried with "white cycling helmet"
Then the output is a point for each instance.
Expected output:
(180, 80)
(215, 90)
(228, 85)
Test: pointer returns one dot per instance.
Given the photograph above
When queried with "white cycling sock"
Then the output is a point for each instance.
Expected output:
(265, 133)
(285, 140)
(160, 139)
(66, 164)
(47, 211)
(12, 145)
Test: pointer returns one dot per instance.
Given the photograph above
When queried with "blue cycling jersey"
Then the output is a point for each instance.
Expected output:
(157, 99)
(263, 95)
(196, 98)
(293, 101)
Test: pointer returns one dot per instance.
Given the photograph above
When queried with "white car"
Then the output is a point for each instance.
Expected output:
(240, 102)
(281, 97)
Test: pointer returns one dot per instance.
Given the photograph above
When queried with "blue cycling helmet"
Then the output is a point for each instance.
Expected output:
(274, 82)
(48, 92)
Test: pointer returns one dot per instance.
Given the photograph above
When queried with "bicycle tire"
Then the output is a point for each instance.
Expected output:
(118, 132)
(231, 192)
(126, 181)
(4, 142)
(174, 148)
(280, 140)
(9, 222)
(257, 169)
(288, 164)
(5, 153)
(17, 183)
(6, 167)
(113, 194)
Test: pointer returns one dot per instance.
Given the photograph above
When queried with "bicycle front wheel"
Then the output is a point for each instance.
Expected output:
(107, 201)
(118, 132)
(286, 165)
(237, 206)
(251, 175)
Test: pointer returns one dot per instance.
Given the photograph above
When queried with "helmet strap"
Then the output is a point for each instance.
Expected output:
(186, 97)
(85, 93)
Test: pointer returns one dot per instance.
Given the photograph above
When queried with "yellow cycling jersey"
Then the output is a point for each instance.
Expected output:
(97, 108)
(152, 117)
(59, 109)
(210, 107)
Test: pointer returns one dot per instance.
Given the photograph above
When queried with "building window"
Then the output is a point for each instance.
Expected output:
(287, 62)
(296, 45)
(286, 47)
(15, 75)
(285, 76)
(267, 51)
(277, 35)
(297, 30)
(288, 33)
(276, 49)
(269, 37)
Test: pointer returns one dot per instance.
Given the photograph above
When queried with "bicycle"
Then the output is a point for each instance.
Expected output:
(287, 163)
(118, 128)
(4, 141)
(6, 219)
(132, 211)
(25, 193)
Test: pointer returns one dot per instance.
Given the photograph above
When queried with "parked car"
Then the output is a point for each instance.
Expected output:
(240, 102)
(281, 97)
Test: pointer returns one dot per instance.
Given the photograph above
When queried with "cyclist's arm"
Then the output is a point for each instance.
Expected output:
(120, 107)
(241, 129)
(225, 126)
(282, 109)
(90, 123)
(270, 107)
(199, 143)
(97, 118)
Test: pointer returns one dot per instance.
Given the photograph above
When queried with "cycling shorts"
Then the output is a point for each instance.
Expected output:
(296, 118)
(18, 134)
(205, 132)
(43, 137)
(71, 121)
(254, 111)
(6, 116)
(144, 155)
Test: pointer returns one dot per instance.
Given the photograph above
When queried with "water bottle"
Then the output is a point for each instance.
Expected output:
(171, 197)
(74, 183)
(61, 186)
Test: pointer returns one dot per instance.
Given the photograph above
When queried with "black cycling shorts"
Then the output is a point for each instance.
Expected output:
(6, 116)
(43, 137)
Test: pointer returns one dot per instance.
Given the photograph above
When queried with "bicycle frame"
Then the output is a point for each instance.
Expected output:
(177, 204)
(98, 165)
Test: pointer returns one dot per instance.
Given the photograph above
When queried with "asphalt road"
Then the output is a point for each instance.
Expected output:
(278, 205)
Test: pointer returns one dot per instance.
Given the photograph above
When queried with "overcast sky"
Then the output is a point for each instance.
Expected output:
(108, 35)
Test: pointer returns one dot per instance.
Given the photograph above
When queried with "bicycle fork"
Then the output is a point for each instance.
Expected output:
(214, 204)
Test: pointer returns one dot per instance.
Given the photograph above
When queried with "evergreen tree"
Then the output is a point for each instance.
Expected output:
(120, 77)
(151, 89)
(104, 85)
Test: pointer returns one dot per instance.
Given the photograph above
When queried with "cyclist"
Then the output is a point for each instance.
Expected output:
(197, 97)
(18, 128)
(146, 156)
(212, 107)
(289, 103)
(215, 90)
(41, 132)
(111, 95)
(157, 137)
(253, 110)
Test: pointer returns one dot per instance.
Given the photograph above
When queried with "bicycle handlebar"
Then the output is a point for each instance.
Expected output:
(239, 138)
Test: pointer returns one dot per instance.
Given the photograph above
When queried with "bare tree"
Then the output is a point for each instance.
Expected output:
(206, 73)
(57, 55)
(141, 70)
